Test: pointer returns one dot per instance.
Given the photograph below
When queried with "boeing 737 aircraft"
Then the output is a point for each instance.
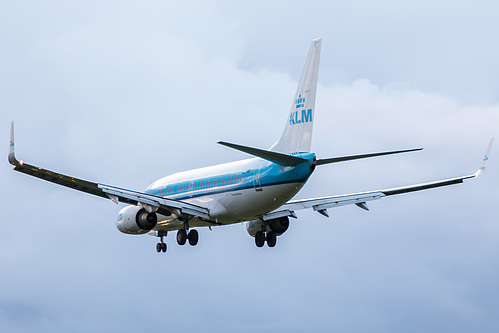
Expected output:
(257, 190)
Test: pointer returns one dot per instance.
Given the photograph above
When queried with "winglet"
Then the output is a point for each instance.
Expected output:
(12, 155)
(485, 159)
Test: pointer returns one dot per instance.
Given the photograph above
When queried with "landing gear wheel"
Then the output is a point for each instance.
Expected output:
(259, 239)
(161, 246)
(193, 237)
(181, 237)
(271, 239)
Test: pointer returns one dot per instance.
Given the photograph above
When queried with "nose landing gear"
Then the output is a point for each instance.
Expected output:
(161, 246)
(183, 235)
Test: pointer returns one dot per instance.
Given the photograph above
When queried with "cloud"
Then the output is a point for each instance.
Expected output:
(125, 94)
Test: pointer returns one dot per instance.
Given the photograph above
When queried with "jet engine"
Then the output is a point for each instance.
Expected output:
(279, 226)
(136, 220)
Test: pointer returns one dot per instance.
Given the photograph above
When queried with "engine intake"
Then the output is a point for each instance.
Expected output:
(279, 226)
(136, 220)
(145, 220)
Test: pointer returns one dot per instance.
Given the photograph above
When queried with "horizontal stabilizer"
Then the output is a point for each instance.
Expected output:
(356, 157)
(279, 158)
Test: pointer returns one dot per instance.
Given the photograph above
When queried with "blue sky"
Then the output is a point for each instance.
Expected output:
(125, 93)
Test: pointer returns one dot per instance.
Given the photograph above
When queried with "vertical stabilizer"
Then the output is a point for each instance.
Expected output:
(297, 135)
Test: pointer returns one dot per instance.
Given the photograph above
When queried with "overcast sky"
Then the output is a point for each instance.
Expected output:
(126, 92)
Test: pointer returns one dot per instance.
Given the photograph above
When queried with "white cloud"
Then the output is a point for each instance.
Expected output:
(126, 93)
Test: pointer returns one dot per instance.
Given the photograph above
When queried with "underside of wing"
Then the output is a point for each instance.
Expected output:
(116, 194)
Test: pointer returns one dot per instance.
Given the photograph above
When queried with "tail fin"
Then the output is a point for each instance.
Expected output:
(297, 135)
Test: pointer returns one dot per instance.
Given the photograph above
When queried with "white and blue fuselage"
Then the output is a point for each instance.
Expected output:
(233, 192)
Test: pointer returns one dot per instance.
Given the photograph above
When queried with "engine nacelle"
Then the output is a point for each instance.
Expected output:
(252, 227)
(135, 220)
(279, 226)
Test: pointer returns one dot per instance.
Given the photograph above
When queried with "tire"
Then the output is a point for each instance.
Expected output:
(271, 239)
(163, 247)
(259, 239)
(158, 247)
(193, 237)
(181, 237)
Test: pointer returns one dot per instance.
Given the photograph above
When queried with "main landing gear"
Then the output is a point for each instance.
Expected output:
(261, 237)
(183, 236)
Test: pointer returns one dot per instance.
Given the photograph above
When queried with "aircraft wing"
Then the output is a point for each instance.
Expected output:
(149, 202)
(321, 205)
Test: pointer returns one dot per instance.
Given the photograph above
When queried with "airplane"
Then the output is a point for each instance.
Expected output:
(258, 190)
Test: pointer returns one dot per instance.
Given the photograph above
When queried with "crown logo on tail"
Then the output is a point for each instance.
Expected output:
(300, 101)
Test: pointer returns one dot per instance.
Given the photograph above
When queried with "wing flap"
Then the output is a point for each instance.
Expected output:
(322, 204)
(360, 199)
(333, 201)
